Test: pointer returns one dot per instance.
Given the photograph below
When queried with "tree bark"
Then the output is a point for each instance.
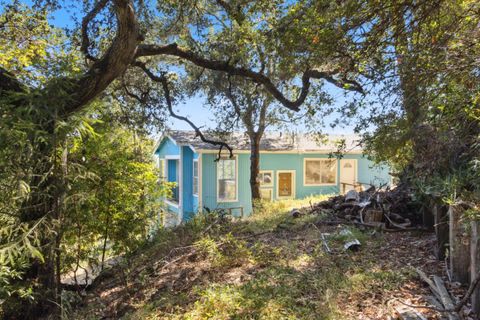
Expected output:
(254, 166)
(105, 238)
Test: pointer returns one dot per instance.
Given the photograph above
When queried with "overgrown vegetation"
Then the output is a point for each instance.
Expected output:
(105, 194)
(269, 266)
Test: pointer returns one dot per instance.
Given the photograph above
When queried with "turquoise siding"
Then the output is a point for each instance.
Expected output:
(176, 170)
(187, 182)
(167, 148)
(189, 203)
(172, 171)
(209, 183)
(195, 203)
(366, 173)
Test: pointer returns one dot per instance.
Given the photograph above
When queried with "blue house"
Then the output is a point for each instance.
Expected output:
(291, 166)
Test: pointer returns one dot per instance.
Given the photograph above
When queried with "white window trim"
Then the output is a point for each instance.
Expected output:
(162, 172)
(236, 181)
(171, 203)
(305, 184)
(294, 187)
(267, 185)
(193, 178)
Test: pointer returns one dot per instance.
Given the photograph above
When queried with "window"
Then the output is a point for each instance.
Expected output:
(227, 180)
(161, 169)
(319, 172)
(195, 177)
(265, 178)
(266, 194)
(173, 175)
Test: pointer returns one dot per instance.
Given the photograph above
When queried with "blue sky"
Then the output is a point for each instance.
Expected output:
(192, 108)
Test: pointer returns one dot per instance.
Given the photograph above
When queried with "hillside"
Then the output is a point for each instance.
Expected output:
(271, 266)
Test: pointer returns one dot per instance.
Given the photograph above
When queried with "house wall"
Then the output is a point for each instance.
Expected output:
(209, 183)
(189, 203)
(366, 173)
(167, 148)
(187, 182)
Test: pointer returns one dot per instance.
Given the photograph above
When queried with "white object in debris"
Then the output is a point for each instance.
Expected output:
(351, 195)
(352, 245)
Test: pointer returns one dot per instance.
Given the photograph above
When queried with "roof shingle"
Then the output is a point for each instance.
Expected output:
(271, 141)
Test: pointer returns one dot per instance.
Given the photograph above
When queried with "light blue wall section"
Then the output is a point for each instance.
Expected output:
(275, 162)
(366, 173)
(195, 203)
(189, 202)
(370, 173)
(167, 147)
(172, 171)
(187, 182)
(209, 183)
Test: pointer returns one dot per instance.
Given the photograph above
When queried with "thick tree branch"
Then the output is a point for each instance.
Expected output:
(168, 99)
(114, 61)
(225, 66)
(86, 20)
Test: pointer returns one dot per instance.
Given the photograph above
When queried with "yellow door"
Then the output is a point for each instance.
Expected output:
(285, 183)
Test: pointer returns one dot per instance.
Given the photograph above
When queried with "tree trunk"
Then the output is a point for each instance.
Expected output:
(459, 246)
(255, 166)
(105, 237)
(440, 214)
(475, 264)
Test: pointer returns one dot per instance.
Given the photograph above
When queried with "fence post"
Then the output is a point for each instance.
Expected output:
(440, 215)
(459, 246)
(475, 264)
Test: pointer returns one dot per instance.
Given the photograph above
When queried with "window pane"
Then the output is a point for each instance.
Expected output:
(320, 171)
(227, 189)
(312, 172)
(329, 171)
(226, 169)
(227, 184)
(195, 185)
(195, 177)
(266, 194)
(265, 178)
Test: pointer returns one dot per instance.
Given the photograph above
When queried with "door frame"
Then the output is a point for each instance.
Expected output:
(341, 170)
(293, 177)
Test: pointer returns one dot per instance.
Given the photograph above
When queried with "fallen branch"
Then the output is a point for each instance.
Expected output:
(438, 288)
(445, 298)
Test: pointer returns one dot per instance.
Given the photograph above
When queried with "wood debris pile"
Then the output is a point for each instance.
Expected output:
(386, 209)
